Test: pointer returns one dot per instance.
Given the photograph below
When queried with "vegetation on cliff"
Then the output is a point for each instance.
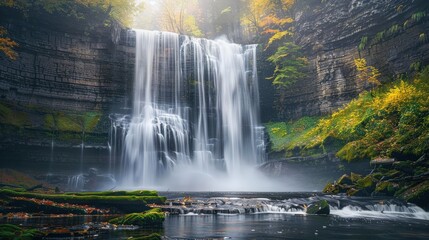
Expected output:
(7, 45)
(390, 121)
(46, 125)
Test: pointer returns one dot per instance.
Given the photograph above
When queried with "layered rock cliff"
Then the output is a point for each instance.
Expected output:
(330, 33)
(68, 77)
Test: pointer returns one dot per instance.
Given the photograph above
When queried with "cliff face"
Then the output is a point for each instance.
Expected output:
(64, 72)
(330, 32)
(55, 99)
(65, 69)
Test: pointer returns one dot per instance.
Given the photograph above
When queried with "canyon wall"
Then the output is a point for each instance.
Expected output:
(330, 32)
(67, 73)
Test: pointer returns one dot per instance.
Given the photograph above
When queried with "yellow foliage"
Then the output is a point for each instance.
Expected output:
(269, 17)
(367, 73)
(277, 36)
(399, 95)
(7, 45)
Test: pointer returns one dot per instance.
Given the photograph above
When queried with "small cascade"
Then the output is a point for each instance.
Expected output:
(194, 115)
(76, 182)
(344, 207)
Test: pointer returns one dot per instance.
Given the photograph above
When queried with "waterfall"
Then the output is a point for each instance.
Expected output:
(195, 111)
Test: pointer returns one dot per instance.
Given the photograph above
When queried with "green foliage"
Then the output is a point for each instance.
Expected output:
(124, 201)
(415, 66)
(394, 29)
(378, 37)
(363, 42)
(422, 38)
(284, 134)
(406, 23)
(394, 118)
(153, 217)
(290, 64)
(12, 232)
(366, 73)
(11, 116)
(418, 16)
(60, 121)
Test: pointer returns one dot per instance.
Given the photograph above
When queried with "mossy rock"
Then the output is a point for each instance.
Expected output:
(331, 188)
(153, 236)
(320, 208)
(388, 188)
(365, 183)
(355, 177)
(12, 232)
(153, 217)
(404, 166)
(419, 194)
(123, 203)
(345, 179)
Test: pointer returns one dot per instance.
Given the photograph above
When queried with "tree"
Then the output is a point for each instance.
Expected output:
(365, 73)
(289, 65)
(269, 17)
(7, 45)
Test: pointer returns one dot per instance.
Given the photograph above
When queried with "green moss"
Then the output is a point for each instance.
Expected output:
(285, 134)
(117, 193)
(11, 116)
(153, 236)
(126, 202)
(366, 182)
(418, 194)
(386, 187)
(12, 232)
(68, 122)
(153, 217)
(355, 177)
(331, 188)
(321, 207)
(391, 119)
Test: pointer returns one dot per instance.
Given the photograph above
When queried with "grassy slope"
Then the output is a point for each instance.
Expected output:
(388, 121)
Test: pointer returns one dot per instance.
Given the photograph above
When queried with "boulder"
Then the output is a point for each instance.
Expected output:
(319, 208)
(345, 179)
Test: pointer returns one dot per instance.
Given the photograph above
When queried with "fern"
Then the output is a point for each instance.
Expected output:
(363, 42)
(418, 16)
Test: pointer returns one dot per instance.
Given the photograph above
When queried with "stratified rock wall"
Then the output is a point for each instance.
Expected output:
(330, 32)
(65, 69)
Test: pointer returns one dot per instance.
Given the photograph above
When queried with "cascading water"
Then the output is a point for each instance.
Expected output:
(195, 113)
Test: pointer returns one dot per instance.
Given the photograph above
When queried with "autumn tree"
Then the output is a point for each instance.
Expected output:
(7, 45)
(365, 73)
(270, 18)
